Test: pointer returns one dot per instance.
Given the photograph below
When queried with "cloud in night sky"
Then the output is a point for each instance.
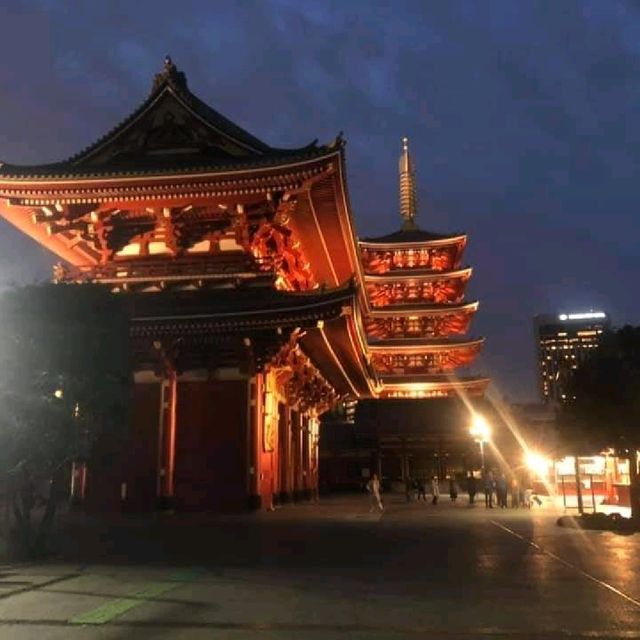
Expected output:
(521, 115)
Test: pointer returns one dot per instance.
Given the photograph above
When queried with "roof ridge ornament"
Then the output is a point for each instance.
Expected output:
(169, 75)
(338, 142)
(408, 197)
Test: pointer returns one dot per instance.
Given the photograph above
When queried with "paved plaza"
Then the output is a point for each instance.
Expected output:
(329, 571)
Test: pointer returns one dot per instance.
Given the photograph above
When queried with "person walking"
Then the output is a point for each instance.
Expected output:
(521, 494)
(435, 490)
(501, 490)
(471, 487)
(488, 490)
(315, 480)
(453, 489)
(373, 487)
(422, 489)
(515, 493)
(408, 488)
(528, 498)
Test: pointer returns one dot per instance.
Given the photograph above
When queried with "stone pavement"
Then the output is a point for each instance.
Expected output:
(328, 571)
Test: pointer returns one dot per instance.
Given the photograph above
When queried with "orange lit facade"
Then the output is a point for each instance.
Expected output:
(255, 308)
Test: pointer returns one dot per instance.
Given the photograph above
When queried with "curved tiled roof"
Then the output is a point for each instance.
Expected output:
(235, 304)
(399, 275)
(410, 235)
(426, 343)
(64, 170)
(170, 84)
(434, 379)
(424, 309)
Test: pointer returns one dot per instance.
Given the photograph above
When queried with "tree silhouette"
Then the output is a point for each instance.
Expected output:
(64, 373)
(604, 401)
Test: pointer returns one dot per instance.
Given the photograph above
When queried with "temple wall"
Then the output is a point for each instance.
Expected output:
(104, 476)
(210, 454)
(142, 451)
(237, 444)
(122, 468)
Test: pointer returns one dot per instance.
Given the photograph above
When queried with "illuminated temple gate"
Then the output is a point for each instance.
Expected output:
(256, 309)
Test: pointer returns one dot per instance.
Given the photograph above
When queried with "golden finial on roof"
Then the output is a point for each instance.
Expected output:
(408, 198)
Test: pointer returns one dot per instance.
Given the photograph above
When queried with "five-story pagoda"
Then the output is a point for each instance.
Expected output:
(417, 317)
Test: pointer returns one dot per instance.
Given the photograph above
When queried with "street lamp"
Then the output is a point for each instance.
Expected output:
(537, 463)
(481, 432)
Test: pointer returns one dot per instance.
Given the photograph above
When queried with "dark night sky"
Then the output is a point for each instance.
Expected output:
(520, 115)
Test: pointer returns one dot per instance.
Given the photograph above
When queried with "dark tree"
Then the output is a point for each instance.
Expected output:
(604, 406)
(64, 374)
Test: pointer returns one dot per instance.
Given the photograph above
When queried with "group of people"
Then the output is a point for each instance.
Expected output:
(496, 490)
(418, 486)
(502, 489)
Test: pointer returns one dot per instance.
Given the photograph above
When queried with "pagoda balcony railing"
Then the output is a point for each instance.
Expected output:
(422, 364)
(445, 291)
(437, 326)
(384, 261)
(211, 267)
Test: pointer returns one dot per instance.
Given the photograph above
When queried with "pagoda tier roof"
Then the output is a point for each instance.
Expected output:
(172, 131)
(413, 345)
(437, 378)
(408, 238)
(423, 309)
(430, 385)
(400, 275)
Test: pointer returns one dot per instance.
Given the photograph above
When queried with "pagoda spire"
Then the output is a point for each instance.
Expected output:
(408, 198)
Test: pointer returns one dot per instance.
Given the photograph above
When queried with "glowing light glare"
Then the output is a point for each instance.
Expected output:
(537, 463)
(58, 393)
(592, 315)
(480, 428)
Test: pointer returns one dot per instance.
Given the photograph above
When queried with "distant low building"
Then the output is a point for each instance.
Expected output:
(563, 341)
(536, 422)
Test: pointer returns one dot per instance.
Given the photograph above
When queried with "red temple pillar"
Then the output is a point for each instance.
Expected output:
(282, 475)
(288, 458)
(315, 459)
(296, 440)
(254, 440)
(306, 457)
(167, 439)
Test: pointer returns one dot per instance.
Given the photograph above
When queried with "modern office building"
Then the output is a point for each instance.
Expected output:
(563, 341)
